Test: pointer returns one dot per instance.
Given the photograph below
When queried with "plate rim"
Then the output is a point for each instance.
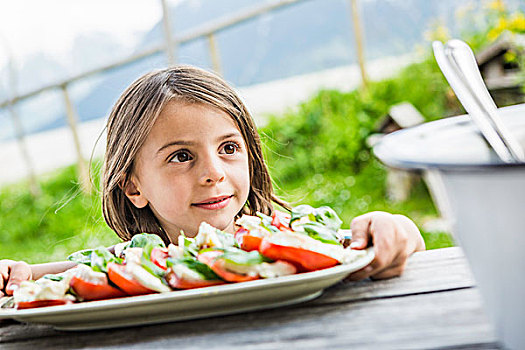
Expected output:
(180, 295)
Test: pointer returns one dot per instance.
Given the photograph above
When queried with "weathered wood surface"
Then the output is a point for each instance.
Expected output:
(433, 305)
(429, 271)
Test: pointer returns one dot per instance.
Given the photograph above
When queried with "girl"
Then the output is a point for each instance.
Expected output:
(181, 149)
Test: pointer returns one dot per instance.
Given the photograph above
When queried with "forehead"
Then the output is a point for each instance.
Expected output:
(192, 121)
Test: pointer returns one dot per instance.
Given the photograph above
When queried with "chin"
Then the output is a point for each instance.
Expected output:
(221, 224)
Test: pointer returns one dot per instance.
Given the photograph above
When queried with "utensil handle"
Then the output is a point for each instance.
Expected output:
(463, 56)
(454, 78)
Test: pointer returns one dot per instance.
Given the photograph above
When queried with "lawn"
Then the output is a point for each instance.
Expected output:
(317, 154)
(63, 220)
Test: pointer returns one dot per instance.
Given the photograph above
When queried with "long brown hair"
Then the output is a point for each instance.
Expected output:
(132, 119)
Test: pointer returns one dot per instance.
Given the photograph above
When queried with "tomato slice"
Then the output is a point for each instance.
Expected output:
(41, 303)
(247, 241)
(250, 243)
(94, 291)
(183, 283)
(121, 278)
(306, 260)
(217, 265)
(159, 256)
(281, 220)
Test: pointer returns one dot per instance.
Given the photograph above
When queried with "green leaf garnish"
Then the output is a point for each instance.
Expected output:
(143, 239)
(202, 269)
(240, 257)
(323, 215)
(320, 232)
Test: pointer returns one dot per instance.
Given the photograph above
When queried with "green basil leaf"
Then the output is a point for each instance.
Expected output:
(241, 257)
(202, 269)
(150, 266)
(266, 222)
(300, 211)
(81, 257)
(328, 217)
(55, 278)
(323, 215)
(100, 257)
(143, 239)
(320, 232)
(97, 258)
(189, 247)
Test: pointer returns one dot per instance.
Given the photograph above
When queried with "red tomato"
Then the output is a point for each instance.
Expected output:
(41, 303)
(118, 275)
(217, 265)
(307, 260)
(181, 283)
(94, 291)
(159, 256)
(281, 220)
(250, 243)
(246, 241)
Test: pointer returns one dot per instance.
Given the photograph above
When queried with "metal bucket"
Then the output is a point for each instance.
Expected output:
(484, 201)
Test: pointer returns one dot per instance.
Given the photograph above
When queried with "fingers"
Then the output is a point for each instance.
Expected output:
(360, 227)
(13, 273)
(394, 269)
(4, 274)
(389, 242)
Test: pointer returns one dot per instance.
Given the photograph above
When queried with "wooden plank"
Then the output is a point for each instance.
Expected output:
(434, 320)
(430, 271)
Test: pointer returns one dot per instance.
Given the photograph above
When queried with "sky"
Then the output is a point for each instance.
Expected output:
(50, 26)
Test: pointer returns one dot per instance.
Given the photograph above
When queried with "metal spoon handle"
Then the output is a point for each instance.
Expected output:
(464, 58)
(472, 101)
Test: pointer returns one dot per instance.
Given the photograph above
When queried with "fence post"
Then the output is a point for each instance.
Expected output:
(34, 188)
(214, 54)
(358, 35)
(170, 49)
(83, 172)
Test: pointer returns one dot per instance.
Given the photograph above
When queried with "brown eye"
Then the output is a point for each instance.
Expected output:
(230, 148)
(181, 157)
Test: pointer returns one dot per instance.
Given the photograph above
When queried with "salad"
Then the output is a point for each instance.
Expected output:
(263, 246)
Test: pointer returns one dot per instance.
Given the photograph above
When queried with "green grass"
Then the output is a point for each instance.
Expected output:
(63, 220)
(59, 221)
(317, 155)
(351, 195)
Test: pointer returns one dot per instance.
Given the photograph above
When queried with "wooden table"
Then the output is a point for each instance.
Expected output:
(435, 304)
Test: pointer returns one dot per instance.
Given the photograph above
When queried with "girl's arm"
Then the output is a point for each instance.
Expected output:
(12, 273)
(39, 270)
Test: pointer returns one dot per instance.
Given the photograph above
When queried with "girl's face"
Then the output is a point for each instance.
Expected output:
(193, 167)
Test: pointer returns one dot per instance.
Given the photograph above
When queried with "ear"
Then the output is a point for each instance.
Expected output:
(132, 191)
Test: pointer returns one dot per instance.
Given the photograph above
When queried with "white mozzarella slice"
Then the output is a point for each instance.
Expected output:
(146, 279)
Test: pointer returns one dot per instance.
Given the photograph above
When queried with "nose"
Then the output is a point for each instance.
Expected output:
(212, 170)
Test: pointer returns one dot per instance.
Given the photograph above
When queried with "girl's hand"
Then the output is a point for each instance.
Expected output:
(12, 273)
(394, 237)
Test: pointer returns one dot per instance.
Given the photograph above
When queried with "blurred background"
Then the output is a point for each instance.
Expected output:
(324, 79)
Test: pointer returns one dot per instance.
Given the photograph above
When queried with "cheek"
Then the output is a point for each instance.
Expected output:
(243, 178)
(166, 191)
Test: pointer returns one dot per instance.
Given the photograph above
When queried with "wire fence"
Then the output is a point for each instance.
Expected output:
(168, 47)
(375, 20)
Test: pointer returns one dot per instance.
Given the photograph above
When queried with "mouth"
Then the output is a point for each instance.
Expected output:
(213, 203)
